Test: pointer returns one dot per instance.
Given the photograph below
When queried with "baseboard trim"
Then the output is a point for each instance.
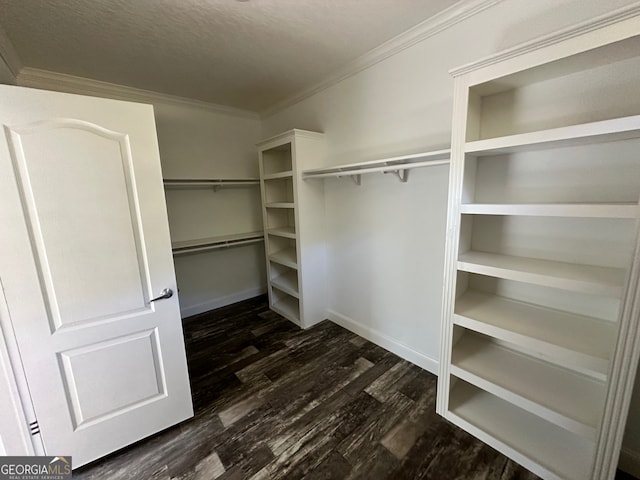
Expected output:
(385, 341)
(188, 311)
(629, 462)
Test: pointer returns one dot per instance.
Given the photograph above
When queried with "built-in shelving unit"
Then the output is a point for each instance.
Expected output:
(399, 166)
(292, 213)
(540, 313)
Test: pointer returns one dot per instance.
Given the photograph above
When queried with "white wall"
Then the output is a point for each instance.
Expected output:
(6, 77)
(386, 239)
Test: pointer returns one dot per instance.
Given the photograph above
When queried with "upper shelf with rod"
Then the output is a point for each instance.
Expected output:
(399, 166)
(214, 183)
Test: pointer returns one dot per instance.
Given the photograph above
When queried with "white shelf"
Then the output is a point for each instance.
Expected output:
(385, 165)
(567, 276)
(285, 257)
(581, 343)
(586, 133)
(286, 232)
(279, 205)
(287, 282)
(211, 243)
(524, 377)
(284, 174)
(209, 182)
(567, 399)
(584, 210)
(544, 448)
(288, 307)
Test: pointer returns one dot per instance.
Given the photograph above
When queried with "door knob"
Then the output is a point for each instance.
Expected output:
(166, 293)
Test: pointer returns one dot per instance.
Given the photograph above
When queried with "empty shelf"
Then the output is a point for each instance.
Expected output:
(568, 276)
(211, 243)
(288, 307)
(287, 282)
(279, 205)
(586, 210)
(544, 448)
(594, 132)
(284, 174)
(286, 232)
(286, 257)
(567, 399)
(580, 342)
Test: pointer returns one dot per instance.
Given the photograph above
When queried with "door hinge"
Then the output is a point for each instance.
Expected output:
(34, 428)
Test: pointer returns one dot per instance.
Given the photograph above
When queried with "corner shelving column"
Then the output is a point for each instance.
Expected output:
(540, 336)
(293, 214)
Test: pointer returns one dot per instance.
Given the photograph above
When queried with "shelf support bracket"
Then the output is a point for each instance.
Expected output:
(356, 177)
(403, 174)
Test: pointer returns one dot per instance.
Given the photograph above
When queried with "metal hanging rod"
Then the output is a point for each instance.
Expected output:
(217, 243)
(206, 183)
(399, 166)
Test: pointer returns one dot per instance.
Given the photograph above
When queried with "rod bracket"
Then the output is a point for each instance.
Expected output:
(356, 177)
(402, 174)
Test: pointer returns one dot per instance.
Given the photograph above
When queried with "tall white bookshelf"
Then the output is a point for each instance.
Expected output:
(540, 338)
(293, 214)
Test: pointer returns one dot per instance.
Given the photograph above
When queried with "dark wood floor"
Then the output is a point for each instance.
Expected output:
(276, 402)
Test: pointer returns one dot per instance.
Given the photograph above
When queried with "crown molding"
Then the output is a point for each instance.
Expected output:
(36, 78)
(436, 24)
(610, 18)
(9, 55)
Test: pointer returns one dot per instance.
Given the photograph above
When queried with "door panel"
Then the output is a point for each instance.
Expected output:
(81, 286)
(85, 245)
(108, 378)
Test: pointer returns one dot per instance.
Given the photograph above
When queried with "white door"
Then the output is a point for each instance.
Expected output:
(84, 247)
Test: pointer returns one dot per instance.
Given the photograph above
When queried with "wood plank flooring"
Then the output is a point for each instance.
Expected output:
(276, 402)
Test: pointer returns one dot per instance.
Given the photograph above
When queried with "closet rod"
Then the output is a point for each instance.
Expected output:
(215, 246)
(216, 183)
(382, 169)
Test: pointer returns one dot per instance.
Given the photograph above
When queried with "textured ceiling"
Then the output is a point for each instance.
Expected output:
(245, 54)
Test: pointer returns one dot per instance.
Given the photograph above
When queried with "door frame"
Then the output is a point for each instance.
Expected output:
(18, 403)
